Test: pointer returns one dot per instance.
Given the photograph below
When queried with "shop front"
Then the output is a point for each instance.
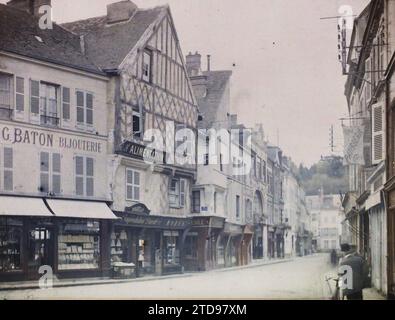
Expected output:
(246, 248)
(153, 244)
(201, 243)
(68, 236)
(271, 242)
(257, 242)
(233, 236)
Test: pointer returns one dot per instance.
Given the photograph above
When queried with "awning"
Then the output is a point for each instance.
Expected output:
(23, 206)
(373, 200)
(81, 209)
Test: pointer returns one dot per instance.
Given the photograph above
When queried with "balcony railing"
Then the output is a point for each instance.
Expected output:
(52, 121)
(5, 112)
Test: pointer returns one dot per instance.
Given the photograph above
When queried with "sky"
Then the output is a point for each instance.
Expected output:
(283, 56)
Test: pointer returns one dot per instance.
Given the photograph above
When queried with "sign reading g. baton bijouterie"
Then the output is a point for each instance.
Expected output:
(19, 135)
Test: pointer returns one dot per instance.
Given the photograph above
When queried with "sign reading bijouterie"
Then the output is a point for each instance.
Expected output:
(17, 135)
(142, 152)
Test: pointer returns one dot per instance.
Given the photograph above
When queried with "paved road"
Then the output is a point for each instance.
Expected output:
(302, 278)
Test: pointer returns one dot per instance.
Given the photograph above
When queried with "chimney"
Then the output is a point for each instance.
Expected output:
(208, 63)
(120, 11)
(194, 64)
(30, 6)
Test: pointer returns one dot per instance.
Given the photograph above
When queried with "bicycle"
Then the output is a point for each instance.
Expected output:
(336, 295)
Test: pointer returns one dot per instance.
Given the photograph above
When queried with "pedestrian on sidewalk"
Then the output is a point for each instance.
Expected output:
(360, 272)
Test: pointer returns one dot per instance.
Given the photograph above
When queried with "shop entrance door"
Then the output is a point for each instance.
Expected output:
(40, 248)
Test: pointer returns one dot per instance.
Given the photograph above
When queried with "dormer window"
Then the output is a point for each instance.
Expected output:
(147, 65)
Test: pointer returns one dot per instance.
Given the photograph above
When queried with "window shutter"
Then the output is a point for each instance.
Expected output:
(8, 166)
(182, 192)
(368, 86)
(35, 96)
(89, 177)
(44, 171)
(79, 176)
(378, 141)
(136, 187)
(20, 94)
(56, 176)
(89, 108)
(80, 106)
(66, 103)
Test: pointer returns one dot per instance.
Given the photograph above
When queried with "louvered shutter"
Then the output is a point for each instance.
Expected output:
(89, 108)
(34, 96)
(56, 176)
(66, 103)
(79, 176)
(136, 185)
(182, 192)
(8, 169)
(44, 172)
(20, 94)
(89, 177)
(378, 139)
(80, 107)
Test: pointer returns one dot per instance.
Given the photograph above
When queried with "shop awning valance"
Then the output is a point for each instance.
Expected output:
(81, 209)
(23, 206)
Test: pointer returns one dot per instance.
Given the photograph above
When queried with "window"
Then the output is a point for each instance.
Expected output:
(196, 201)
(174, 193)
(207, 155)
(5, 96)
(147, 64)
(84, 176)
(49, 104)
(34, 97)
(132, 185)
(11, 231)
(66, 103)
(264, 170)
(137, 125)
(50, 176)
(20, 94)
(6, 164)
(221, 166)
(215, 202)
(237, 207)
(177, 193)
(84, 108)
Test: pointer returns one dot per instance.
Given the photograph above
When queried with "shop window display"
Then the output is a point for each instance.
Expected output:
(119, 246)
(10, 244)
(172, 252)
(78, 243)
(191, 246)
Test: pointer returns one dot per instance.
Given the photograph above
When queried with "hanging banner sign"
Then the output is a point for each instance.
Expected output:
(353, 145)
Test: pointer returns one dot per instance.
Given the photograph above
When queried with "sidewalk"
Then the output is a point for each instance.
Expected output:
(28, 285)
(372, 294)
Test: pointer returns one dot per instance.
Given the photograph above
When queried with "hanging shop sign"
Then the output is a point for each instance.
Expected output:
(353, 145)
(141, 152)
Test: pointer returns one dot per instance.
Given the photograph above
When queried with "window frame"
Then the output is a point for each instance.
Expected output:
(149, 53)
(51, 172)
(84, 175)
(194, 203)
(132, 185)
(85, 109)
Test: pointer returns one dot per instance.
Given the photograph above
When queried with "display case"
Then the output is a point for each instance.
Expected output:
(10, 244)
(78, 245)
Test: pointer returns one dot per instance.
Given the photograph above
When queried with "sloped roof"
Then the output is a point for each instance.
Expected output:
(20, 34)
(108, 45)
(217, 82)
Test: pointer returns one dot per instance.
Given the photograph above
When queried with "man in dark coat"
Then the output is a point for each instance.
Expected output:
(360, 272)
